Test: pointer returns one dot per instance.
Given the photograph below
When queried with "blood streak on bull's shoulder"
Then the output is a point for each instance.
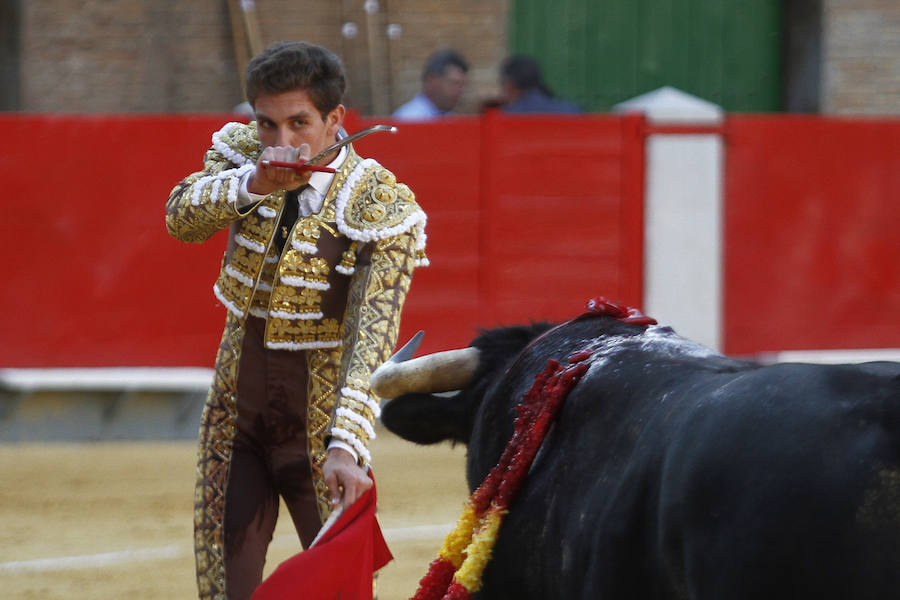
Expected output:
(666, 341)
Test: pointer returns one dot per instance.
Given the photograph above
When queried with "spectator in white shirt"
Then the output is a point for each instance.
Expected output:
(443, 81)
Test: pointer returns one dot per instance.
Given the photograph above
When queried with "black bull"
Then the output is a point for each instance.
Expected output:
(675, 472)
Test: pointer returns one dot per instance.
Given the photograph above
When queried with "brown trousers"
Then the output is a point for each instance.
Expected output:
(270, 459)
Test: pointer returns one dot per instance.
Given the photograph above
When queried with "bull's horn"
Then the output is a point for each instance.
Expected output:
(439, 372)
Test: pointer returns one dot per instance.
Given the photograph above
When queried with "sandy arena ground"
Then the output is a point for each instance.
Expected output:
(114, 520)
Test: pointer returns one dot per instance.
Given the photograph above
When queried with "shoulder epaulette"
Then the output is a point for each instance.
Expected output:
(238, 143)
(374, 206)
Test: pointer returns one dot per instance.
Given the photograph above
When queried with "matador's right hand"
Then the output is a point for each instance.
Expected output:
(266, 180)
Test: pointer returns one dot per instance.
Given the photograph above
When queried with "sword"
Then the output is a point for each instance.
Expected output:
(310, 164)
(402, 355)
(408, 349)
(350, 138)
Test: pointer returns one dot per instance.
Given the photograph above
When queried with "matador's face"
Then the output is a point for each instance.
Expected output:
(290, 119)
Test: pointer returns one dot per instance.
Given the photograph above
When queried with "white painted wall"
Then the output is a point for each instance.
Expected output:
(683, 215)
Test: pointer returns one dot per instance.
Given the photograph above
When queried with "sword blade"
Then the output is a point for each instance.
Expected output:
(408, 349)
(350, 138)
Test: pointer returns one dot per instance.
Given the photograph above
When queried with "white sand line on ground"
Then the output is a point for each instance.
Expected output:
(124, 557)
(93, 561)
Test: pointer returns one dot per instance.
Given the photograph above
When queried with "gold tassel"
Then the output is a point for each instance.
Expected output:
(348, 260)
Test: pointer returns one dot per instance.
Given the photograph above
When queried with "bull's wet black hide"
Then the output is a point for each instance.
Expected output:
(673, 472)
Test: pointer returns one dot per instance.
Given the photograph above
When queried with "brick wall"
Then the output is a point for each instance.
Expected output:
(861, 57)
(175, 56)
(129, 55)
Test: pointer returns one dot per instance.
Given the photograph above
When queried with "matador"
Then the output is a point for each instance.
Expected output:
(314, 277)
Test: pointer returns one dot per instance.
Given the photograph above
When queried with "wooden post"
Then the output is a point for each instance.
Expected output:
(238, 39)
(251, 22)
(376, 39)
(245, 34)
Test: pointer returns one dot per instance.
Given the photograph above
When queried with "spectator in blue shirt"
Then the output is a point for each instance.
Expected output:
(443, 80)
(524, 90)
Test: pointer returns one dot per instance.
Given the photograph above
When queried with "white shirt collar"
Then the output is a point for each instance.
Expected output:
(320, 181)
(310, 199)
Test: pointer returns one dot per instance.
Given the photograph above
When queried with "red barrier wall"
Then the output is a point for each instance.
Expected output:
(812, 249)
(528, 217)
(92, 277)
(562, 217)
(517, 207)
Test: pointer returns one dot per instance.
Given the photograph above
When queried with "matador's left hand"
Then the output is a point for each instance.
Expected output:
(346, 480)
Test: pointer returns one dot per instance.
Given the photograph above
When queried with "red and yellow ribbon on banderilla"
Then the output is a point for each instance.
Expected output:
(456, 572)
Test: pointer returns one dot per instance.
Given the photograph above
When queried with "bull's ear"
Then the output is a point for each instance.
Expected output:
(426, 418)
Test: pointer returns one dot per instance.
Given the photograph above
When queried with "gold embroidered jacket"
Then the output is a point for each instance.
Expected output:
(341, 279)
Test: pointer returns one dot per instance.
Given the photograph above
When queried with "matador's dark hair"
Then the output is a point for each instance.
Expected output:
(286, 66)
